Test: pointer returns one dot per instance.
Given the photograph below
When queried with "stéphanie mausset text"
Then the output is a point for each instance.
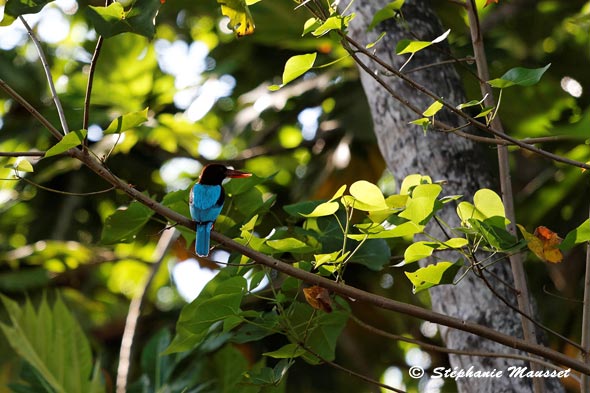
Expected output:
(511, 372)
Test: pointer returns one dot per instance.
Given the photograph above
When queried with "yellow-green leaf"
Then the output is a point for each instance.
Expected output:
(324, 209)
(23, 165)
(431, 275)
(240, 19)
(126, 122)
(368, 193)
(69, 141)
(433, 109)
(297, 66)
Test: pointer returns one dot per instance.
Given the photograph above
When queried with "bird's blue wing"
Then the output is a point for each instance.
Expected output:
(206, 202)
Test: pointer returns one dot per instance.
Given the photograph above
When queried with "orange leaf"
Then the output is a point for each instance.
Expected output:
(544, 243)
(488, 2)
(318, 298)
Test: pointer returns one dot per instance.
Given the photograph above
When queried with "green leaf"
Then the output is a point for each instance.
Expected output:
(23, 165)
(113, 19)
(324, 209)
(579, 235)
(489, 203)
(70, 140)
(240, 18)
(335, 22)
(422, 203)
(127, 121)
(125, 223)
(471, 103)
(288, 351)
(219, 300)
(333, 257)
(52, 342)
(374, 254)
(420, 250)
(519, 76)
(433, 109)
(431, 275)
(423, 122)
(412, 181)
(368, 194)
(391, 10)
(157, 367)
(297, 66)
(16, 8)
(310, 25)
(409, 46)
(405, 229)
(321, 335)
(290, 245)
(484, 112)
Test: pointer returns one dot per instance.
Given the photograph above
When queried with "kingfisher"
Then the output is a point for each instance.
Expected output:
(206, 200)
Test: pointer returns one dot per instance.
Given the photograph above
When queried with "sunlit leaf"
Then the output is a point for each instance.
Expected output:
(23, 165)
(240, 18)
(336, 22)
(310, 25)
(70, 140)
(579, 235)
(409, 46)
(406, 229)
(431, 275)
(433, 109)
(368, 193)
(489, 203)
(423, 249)
(289, 244)
(324, 209)
(127, 121)
(519, 76)
(297, 66)
(412, 181)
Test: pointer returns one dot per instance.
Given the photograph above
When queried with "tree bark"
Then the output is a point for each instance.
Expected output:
(443, 156)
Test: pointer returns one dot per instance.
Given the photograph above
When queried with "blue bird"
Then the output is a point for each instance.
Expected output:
(206, 200)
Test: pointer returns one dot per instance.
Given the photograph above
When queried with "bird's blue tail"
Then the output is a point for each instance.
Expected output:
(203, 236)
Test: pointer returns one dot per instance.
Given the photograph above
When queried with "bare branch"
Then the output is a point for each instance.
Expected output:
(60, 111)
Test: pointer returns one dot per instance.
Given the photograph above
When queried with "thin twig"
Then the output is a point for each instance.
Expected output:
(31, 109)
(342, 289)
(22, 153)
(127, 340)
(516, 260)
(91, 70)
(349, 371)
(438, 348)
(64, 192)
(60, 111)
(358, 48)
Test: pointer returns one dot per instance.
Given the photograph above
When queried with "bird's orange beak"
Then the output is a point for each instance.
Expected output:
(237, 174)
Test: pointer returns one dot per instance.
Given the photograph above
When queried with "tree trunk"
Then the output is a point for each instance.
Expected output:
(443, 156)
